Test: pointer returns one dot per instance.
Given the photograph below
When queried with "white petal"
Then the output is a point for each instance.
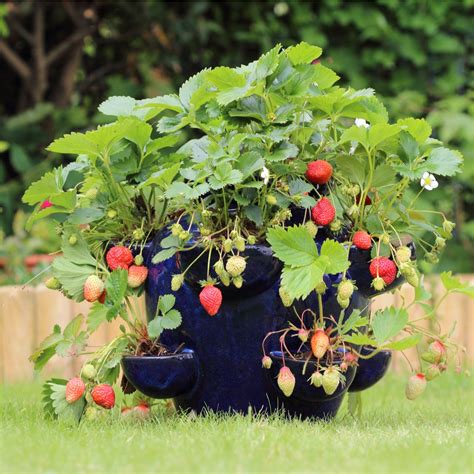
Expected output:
(434, 184)
(360, 122)
(422, 182)
(426, 175)
(428, 187)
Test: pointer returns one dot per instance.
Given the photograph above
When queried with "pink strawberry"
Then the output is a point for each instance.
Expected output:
(103, 395)
(319, 171)
(102, 297)
(211, 299)
(142, 411)
(45, 204)
(362, 240)
(323, 213)
(119, 257)
(416, 386)
(319, 343)
(435, 353)
(75, 388)
(93, 288)
(286, 381)
(266, 362)
(137, 275)
(384, 268)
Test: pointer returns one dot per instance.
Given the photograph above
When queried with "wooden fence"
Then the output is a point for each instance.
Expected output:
(27, 316)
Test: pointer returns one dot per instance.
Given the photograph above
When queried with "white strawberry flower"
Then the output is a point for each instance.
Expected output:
(428, 181)
(265, 175)
(360, 122)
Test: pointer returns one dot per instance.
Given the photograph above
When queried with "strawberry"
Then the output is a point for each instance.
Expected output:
(316, 379)
(137, 275)
(141, 412)
(266, 362)
(53, 283)
(75, 388)
(102, 297)
(286, 381)
(286, 299)
(88, 371)
(45, 204)
(319, 172)
(93, 288)
(416, 386)
(384, 268)
(177, 281)
(345, 289)
(319, 343)
(331, 379)
(432, 372)
(303, 334)
(362, 240)
(323, 213)
(211, 299)
(403, 254)
(103, 395)
(435, 353)
(368, 201)
(312, 228)
(119, 257)
(235, 266)
(350, 358)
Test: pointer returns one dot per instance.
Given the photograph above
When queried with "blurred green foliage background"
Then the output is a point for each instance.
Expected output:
(61, 59)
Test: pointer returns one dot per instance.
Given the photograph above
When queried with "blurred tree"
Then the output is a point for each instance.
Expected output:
(417, 54)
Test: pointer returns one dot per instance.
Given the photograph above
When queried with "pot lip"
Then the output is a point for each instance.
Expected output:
(184, 354)
(278, 355)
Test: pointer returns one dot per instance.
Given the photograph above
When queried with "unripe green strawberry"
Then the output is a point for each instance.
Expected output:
(432, 372)
(312, 228)
(335, 226)
(239, 243)
(319, 343)
(378, 284)
(448, 226)
(385, 238)
(138, 260)
(53, 283)
(353, 211)
(235, 266)
(316, 379)
(206, 213)
(321, 288)
(303, 334)
(112, 213)
(343, 302)
(354, 190)
(227, 246)
(285, 297)
(403, 254)
(176, 229)
(331, 379)
(138, 234)
(72, 240)
(413, 280)
(233, 234)
(251, 240)
(184, 235)
(345, 289)
(88, 372)
(219, 267)
(416, 386)
(407, 269)
(266, 362)
(431, 257)
(286, 381)
(440, 242)
(177, 282)
(271, 200)
(238, 281)
(205, 231)
(435, 353)
(225, 278)
(91, 193)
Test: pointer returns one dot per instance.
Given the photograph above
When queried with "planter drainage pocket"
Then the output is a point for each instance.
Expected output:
(370, 371)
(162, 376)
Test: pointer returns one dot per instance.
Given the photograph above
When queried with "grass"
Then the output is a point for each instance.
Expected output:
(432, 434)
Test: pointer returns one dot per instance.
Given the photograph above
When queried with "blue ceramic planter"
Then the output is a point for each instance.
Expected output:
(221, 370)
(370, 371)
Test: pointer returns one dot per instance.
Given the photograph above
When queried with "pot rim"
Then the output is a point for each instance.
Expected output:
(185, 354)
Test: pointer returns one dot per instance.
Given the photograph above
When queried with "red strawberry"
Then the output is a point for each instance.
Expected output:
(368, 201)
(102, 297)
(93, 288)
(137, 275)
(362, 240)
(319, 172)
(142, 411)
(45, 204)
(384, 268)
(75, 388)
(119, 257)
(103, 395)
(323, 213)
(416, 386)
(286, 381)
(319, 343)
(211, 299)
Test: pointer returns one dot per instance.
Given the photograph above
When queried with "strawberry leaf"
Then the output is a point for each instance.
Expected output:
(388, 323)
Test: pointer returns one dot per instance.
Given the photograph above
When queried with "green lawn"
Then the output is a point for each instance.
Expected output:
(432, 434)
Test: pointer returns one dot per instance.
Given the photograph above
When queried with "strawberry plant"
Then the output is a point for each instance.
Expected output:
(268, 153)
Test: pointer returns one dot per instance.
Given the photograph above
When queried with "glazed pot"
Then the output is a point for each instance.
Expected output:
(370, 371)
(226, 373)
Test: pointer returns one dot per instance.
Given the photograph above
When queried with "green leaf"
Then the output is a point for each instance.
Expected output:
(163, 255)
(86, 215)
(171, 320)
(283, 151)
(74, 144)
(155, 327)
(162, 142)
(97, 315)
(452, 283)
(442, 161)
(71, 412)
(165, 303)
(49, 184)
(324, 77)
(405, 343)
(293, 246)
(156, 105)
(352, 166)
(354, 321)
(384, 175)
(72, 276)
(419, 129)
(118, 106)
(47, 349)
(303, 53)
(360, 340)
(267, 63)
(116, 286)
(422, 294)
(224, 175)
(137, 131)
(162, 178)
(299, 282)
(357, 134)
(336, 255)
(79, 252)
(388, 323)
(225, 78)
(254, 213)
(73, 329)
(381, 132)
(250, 162)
